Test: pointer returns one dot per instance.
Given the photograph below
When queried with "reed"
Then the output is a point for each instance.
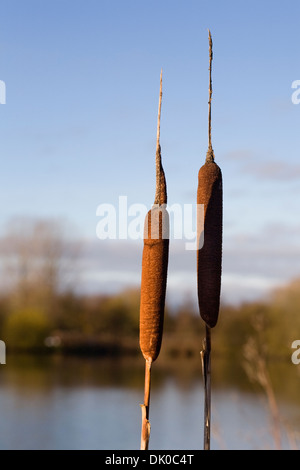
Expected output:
(209, 257)
(153, 280)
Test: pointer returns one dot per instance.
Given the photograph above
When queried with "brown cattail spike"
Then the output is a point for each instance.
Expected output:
(209, 262)
(155, 261)
(154, 279)
(209, 255)
(153, 282)
(209, 259)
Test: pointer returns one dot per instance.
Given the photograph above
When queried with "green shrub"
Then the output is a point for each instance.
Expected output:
(26, 329)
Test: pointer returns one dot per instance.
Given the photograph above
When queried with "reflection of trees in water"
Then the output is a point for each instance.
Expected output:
(39, 302)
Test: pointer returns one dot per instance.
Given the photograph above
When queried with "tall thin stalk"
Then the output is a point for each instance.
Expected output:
(210, 89)
(206, 351)
(206, 371)
(145, 435)
(154, 280)
(209, 256)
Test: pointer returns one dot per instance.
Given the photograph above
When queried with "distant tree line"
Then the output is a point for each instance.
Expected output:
(37, 314)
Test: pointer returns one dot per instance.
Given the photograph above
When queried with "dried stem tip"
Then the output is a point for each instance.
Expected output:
(161, 190)
(210, 152)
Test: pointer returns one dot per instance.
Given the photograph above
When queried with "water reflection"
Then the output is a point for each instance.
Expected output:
(90, 403)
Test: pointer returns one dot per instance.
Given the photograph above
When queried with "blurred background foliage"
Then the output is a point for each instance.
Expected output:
(41, 310)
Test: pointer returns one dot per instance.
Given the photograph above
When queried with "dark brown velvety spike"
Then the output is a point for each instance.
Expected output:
(209, 257)
(154, 281)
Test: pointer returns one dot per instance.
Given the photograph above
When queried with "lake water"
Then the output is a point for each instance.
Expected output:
(71, 403)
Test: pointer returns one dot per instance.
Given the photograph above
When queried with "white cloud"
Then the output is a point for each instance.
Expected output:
(274, 170)
(252, 264)
(257, 165)
(238, 288)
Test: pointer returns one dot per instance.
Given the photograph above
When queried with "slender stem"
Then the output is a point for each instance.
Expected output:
(159, 113)
(206, 371)
(210, 153)
(210, 89)
(158, 151)
(145, 435)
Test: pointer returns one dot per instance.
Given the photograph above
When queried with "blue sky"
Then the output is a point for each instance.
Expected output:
(79, 125)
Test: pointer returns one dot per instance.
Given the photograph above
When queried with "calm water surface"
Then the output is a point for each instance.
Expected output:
(71, 403)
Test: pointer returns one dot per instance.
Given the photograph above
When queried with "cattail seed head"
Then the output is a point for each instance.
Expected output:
(155, 262)
(209, 257)
(154, 281)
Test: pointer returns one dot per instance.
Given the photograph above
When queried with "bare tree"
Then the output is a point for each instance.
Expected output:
(37, 257)
(255, 364)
